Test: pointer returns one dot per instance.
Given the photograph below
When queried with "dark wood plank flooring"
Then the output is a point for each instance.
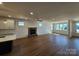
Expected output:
(45, 45)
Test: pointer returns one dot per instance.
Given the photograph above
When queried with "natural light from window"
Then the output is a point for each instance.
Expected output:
(61, 26)
(21, 23)
(77, 27)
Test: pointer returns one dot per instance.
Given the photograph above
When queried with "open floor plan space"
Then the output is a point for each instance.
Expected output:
(39, 29)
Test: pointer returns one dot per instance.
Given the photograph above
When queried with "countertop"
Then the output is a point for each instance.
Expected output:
(7, 37)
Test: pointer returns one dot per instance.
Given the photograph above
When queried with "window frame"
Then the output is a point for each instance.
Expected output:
(76, 26)
(61, 28)
(21, 24)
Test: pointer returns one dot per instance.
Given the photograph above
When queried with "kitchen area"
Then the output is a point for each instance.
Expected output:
(7, 35)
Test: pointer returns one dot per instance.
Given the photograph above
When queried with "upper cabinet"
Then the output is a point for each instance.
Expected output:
(6, 24)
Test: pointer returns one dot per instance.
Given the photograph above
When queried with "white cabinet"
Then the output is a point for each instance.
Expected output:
(8, 24)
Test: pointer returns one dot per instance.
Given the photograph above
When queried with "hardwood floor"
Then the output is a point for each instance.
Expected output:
(45, 45)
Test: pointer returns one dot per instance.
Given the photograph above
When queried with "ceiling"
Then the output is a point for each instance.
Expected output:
(41, 10)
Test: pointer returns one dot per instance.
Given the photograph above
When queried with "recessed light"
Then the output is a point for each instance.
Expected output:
(31, 13)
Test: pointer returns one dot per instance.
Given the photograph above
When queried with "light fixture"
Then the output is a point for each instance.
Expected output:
(31, 13)
(1, 3)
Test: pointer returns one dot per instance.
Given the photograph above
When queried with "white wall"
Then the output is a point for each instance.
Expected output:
(23, 31)
(45, 28)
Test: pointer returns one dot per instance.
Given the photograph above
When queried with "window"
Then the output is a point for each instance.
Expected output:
(21, 23)
(51, 27)
(65, 26)
(57, 26)
(77, 27)
(61, 26)
(40, 23)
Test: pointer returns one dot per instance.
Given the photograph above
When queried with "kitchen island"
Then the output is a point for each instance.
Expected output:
(6, 43)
